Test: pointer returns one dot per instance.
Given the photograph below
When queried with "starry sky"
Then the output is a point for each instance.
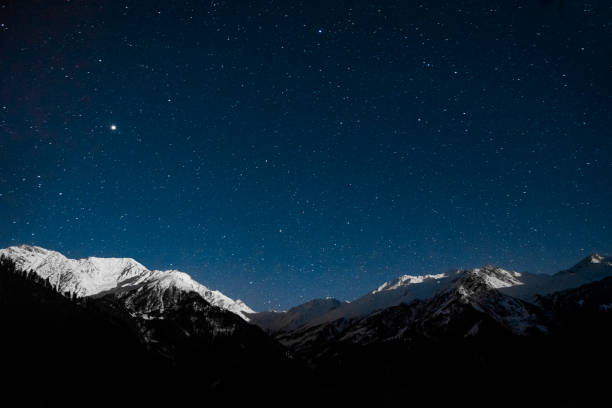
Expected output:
(280, 150)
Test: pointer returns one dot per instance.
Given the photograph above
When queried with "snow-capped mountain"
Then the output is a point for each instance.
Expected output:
(461, 310)
(483, 302)
(468, 337)
(408, 288)
(473, 330)
(591, 269)
(295, 317)
(479, 289)
(404, 289)
(319, 311)
(458, 305)
(99, 276)
(153, 336)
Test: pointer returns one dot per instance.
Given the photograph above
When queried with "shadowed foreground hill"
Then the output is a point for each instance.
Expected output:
(55, 349)
(142, 345)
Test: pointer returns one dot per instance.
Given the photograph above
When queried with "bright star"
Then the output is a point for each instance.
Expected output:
(113, 127)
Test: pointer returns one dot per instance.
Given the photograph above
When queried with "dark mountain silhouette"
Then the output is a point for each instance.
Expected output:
(93, 351)
(463, 338)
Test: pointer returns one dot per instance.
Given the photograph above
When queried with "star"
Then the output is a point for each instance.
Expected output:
(113, 127)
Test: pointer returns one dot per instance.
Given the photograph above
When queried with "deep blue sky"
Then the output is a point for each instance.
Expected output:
(281, 151)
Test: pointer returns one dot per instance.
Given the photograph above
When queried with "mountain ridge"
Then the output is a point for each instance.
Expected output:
(408, 288)
(460, 328)
(94, 276)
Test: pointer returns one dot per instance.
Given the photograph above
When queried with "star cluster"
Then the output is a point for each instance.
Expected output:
(280, 151)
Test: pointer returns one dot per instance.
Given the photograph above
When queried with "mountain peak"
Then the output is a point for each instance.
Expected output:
(32, 248)
(596, 258)
(593, 262)
(94, 275)
(405, 280)
(496, 277)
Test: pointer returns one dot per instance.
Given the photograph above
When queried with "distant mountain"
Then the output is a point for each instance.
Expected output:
(466, 302)
(435, 303)
(590, 269)
(110, 331)
(470, 340)
(295, 317)
(476, 294)
(408, 288)
(95, 276)
(582, 312)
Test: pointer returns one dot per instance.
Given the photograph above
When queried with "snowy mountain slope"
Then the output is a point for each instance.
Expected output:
(95, 276)
(470, 335)
(479, 290)
(408, 288)
(401, 290)
(466, 310)
(83, 277)
(469, 298)
(183, 344)
(591, 269)
(479, 302)
(295, 317)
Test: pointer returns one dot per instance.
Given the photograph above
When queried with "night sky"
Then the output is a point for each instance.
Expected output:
(280, 151)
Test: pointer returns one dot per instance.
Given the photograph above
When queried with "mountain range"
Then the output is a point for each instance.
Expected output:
(106, 332)
(96, 276)
(408, 288)
(476, 333)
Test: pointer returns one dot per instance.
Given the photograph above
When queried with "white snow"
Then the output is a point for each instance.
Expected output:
(91, 276)
(596, 258)
(498, 278)
(404, 289)
(590, 269)
(407, 280)
(524, 285)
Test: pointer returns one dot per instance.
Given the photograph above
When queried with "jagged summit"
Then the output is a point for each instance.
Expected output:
(408, 280)
(595, 258)
(95, 276)
(599, 257)
(592, 268)
(496, 277)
